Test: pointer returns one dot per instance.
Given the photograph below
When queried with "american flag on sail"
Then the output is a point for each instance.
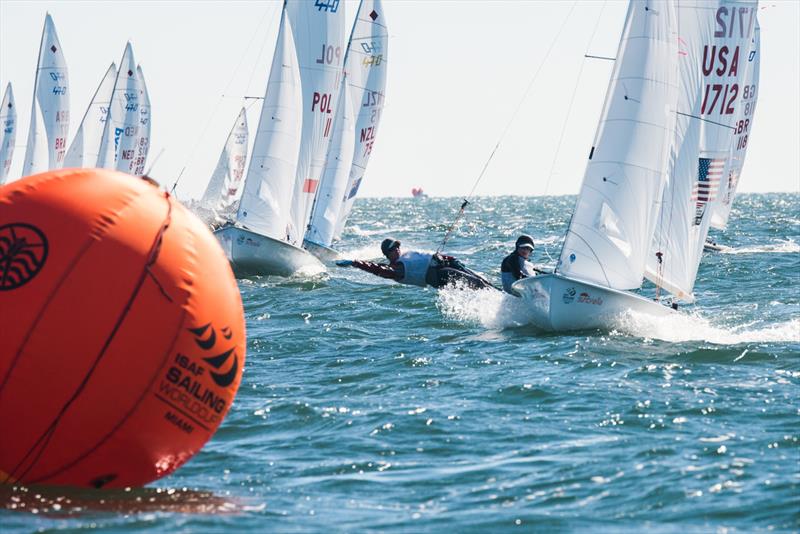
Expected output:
(709, 174)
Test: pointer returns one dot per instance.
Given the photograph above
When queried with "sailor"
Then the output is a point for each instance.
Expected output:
(419, 268)
(516, 266)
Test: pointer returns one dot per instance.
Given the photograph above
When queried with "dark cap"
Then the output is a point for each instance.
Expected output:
(388, 245)
(525, 241)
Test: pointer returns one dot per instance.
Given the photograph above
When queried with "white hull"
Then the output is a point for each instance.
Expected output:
(322, 252)
(252, 254)
(559, 303)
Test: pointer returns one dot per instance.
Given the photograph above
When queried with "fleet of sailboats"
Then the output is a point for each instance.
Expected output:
(123, 104)
(662, 145)
(664, 167)
(308, 153)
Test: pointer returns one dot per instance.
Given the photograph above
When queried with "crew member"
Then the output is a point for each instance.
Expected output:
(419, 268)
(516, 266)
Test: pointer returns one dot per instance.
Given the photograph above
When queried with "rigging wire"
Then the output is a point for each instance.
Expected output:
(258, 30)
(535, 76)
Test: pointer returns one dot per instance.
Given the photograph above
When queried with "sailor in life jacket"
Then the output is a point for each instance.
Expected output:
(516, 266)
(419, 268)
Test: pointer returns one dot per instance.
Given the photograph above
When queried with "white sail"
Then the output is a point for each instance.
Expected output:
(318, 30)
(714, 43)
(85, 147)
(8, 132)
(612, 226)
(366, 65)
(267, 196)
(143, 141)
(49, 126)
(121, 133)
(721, 210)
(224, 187)
(328, 203)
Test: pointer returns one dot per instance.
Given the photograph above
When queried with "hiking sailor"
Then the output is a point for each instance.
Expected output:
(419, 268)
(516, 266)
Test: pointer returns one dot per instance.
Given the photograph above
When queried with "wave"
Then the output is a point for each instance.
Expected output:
(783, 246)
(496, 310)
(682, 327)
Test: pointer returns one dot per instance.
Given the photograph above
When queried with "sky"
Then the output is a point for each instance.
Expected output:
(463, 75)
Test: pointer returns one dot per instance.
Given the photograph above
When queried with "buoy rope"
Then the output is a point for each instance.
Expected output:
(40, 445)
(508, 125)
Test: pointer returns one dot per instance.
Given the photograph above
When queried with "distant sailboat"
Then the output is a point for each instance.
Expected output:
(224, 188)
(365, 81)
(8, 132)
(145, 126)
(84, 151)
(651, 170)
(267, 232)
(121, 130)
(49, 126)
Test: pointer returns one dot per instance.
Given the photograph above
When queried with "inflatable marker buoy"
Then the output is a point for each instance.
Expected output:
(122, 334)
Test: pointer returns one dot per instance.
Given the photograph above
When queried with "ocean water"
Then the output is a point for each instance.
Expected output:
(370, 406)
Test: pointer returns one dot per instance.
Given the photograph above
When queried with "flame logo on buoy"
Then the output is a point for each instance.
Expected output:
(23, 251)
(207, 343)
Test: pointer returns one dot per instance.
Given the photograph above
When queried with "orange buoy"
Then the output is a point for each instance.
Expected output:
(122, 336)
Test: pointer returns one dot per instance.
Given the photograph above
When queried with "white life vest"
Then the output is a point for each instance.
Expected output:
(415, 266)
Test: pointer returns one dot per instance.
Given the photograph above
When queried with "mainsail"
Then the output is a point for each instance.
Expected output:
(318, 31)
(337, 171)
(713, 45)
(269, 185)
(367, 54)
(721, 210)
(223, 188)
(84, 150)
(612, 227)
(121, 131)
(143, 142)
(8, 132)
(49, 126)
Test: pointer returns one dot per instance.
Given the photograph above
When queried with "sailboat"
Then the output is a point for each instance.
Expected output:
(643, 206)
(8, 132)
(365, 81)
(84, 151)
(266, 235)
(120, 138)
(49, 126)
(224, 187)
(721, 210)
